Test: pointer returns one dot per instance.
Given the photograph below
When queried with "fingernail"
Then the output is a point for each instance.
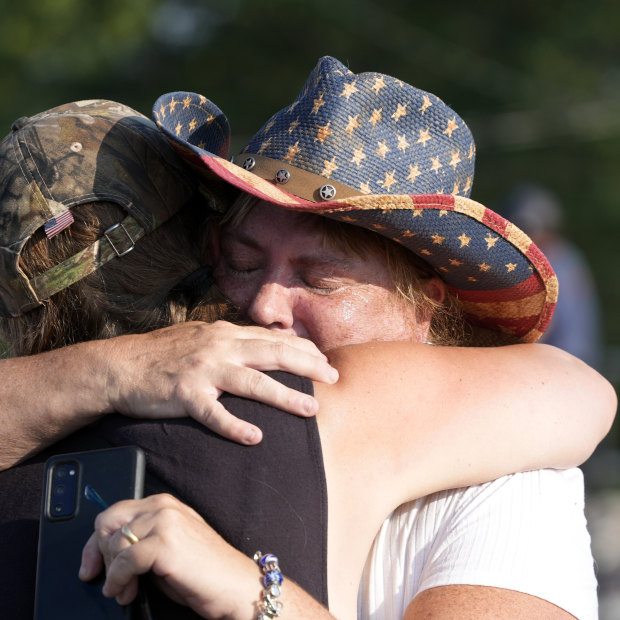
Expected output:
(83, 574)
(310, 405)
(333, 374)
(251, 435)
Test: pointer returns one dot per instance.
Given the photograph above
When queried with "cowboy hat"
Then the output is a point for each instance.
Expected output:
(373, 151)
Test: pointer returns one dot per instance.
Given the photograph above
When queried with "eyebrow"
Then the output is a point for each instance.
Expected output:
(314, 259)
(342, 263)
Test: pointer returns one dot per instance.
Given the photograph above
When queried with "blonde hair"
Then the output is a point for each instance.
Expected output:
(135, 293)
(407, 271)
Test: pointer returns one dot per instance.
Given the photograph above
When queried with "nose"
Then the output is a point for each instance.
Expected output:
(272, 307)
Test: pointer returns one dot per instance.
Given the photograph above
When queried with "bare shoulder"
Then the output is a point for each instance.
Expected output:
(464, 602)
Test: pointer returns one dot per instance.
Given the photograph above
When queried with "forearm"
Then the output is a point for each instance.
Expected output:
(46, 397)
(173, 372)
(452, 417)
(299, 605)
(546, 406)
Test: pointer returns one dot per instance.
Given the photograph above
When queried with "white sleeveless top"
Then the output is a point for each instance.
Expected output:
(525, 532)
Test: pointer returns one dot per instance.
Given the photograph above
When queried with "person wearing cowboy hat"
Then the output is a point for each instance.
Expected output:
(372, 152)
(9, 295)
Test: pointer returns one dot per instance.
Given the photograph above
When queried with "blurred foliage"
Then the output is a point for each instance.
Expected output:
(539, 83)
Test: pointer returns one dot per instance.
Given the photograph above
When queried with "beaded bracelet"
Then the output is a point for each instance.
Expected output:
(269, 607)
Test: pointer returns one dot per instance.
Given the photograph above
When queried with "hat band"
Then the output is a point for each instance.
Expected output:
(113, 243)
(301, 183)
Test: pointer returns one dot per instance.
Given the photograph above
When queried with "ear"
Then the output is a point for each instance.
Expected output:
(435, 288)
(212, 242)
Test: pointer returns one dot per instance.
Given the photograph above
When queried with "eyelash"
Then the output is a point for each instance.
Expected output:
(319, 290)
(239, 272)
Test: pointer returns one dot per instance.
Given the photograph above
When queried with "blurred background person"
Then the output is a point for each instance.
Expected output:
(575, 326)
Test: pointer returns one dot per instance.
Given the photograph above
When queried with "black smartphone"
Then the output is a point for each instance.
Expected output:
(77, 487)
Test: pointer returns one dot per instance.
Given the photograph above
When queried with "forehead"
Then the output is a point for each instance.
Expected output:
(266, 225)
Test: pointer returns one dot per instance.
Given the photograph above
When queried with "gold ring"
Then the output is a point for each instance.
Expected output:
(129, 535)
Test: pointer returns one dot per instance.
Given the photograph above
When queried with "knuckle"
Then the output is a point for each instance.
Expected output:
(99, 522)
(256, 382)
(124, 560)
(280, 349)
(164, 501)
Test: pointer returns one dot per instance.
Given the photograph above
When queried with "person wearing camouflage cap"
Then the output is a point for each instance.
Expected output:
(41, 184)
(101, 236)
(156, 343)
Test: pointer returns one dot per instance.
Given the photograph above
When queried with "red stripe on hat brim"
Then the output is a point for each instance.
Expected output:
(516, 309)
(533, 285)
(517, 328)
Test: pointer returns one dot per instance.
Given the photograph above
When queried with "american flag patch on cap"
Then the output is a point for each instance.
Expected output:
(56, 224)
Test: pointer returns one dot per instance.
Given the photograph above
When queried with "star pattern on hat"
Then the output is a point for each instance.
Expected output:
(452, 126)
(436, 165)
(329, 167)
(348, 90)
(491, 240)
(268, 126)
(375, 117)
(424, 137)
(388, 181)
(401, 110)
(382, 149)
(292, 152)
(426, 104)
(323, 132)
(455, 159)
(367, 126)
(403, 143)
(264, 146)
(379, 84)
(464, 239)
(358, 156)
(318, 104)
(414, 173)
(353, 124)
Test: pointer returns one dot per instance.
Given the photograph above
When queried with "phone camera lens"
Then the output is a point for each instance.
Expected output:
(63, 489)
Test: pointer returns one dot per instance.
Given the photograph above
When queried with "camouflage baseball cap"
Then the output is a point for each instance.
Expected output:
(81, 152)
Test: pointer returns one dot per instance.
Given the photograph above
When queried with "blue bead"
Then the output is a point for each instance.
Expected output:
(272, 576)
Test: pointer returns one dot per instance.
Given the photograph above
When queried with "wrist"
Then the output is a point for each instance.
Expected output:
(113, 374)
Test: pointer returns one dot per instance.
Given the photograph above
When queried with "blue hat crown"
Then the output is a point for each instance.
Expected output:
(371, 132)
